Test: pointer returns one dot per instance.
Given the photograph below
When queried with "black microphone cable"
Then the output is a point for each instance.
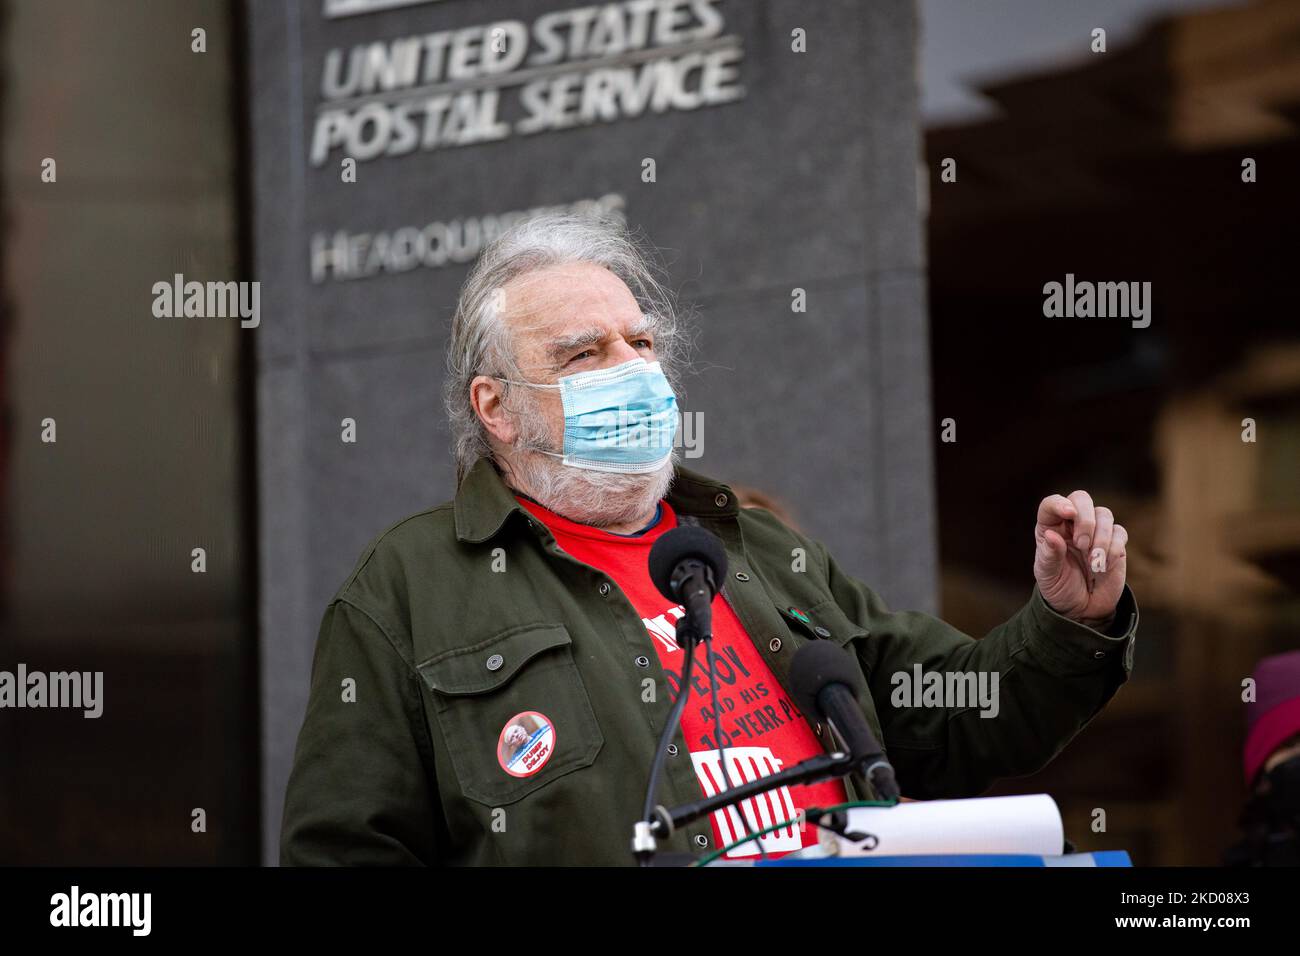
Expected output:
(665, 735)
(670, 726)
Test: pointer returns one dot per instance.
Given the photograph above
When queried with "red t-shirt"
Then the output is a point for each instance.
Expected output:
(762, 728)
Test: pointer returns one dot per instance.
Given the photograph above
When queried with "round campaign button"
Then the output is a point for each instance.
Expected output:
(526, 743)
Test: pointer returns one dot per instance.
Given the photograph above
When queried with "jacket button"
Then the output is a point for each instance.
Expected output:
(672, 750)
(1099, 654)
(742, 576)
(775, 645)
(701, 840)
(720, 501)
(643, 661)
(818, 730)
(494, 662)
(604, 588)
(821, 632)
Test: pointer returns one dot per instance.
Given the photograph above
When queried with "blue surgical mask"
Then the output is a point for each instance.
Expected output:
(621, 419)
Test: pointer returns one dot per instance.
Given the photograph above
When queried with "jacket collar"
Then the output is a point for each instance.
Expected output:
(484, 501)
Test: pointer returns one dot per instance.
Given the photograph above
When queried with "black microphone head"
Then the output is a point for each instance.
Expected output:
(685, 541)
(817, 665)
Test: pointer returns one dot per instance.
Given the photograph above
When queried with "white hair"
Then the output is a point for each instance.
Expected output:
(480, 340)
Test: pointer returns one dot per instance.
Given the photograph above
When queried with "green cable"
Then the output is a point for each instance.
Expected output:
(808, 814)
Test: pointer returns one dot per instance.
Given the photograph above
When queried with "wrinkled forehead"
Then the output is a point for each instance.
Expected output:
(567, 302)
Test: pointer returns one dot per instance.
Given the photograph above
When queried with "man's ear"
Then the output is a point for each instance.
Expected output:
(485, 398)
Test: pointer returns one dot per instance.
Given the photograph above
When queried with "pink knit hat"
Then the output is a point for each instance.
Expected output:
(1275, 713)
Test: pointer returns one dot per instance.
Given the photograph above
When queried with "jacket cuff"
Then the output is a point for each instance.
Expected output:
(1077, 648)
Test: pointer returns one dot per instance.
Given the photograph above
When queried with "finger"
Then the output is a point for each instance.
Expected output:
(1055, 509)
(1098, 554)
(1086, 522)
(1051, 554)
(1117, 554)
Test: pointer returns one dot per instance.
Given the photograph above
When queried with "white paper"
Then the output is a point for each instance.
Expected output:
(1025, 824)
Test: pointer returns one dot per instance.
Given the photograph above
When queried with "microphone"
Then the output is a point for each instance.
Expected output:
(686, 565)
(823, 678)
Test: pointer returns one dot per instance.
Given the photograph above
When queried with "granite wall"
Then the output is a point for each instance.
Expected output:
(785, 153)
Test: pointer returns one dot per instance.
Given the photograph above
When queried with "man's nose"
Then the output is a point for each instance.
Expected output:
(622, 352)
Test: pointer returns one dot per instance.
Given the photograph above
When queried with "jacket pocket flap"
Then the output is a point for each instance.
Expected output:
(491, 664)
(822, 621)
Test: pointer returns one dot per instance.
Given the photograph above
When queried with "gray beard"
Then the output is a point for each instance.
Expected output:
(593, 498)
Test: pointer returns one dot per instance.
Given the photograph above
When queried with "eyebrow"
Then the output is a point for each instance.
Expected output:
(561, 347)
(642, 325)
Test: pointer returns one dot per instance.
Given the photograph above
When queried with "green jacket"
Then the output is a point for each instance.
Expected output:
(396, 761)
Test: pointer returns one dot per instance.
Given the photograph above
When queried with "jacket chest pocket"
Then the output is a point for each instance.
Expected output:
(514, 712)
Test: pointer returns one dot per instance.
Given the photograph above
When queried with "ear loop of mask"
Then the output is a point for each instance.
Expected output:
(515, 381)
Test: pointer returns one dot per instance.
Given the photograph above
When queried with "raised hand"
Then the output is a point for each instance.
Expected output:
(1080, 558)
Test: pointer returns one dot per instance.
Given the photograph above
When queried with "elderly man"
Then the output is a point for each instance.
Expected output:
(513, 665)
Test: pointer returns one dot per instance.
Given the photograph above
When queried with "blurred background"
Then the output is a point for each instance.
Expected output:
(1127, 165)
(171, 435)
